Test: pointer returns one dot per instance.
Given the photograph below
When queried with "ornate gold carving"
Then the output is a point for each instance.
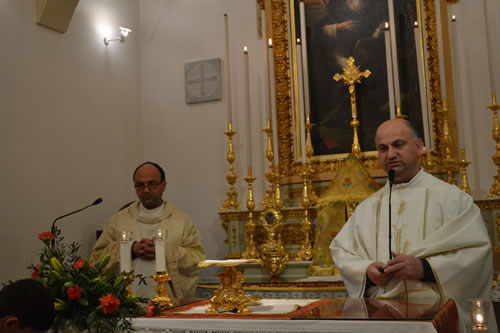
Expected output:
(351, 76)
(273, 197)
(495, 188)
(233, 229)
(488, 204)
(463, 165)
(449, 162)
(305, 252)
(161, 298)
(231, 201)
(251, 250)
(497, 222)
(273, 252)
(309, 171)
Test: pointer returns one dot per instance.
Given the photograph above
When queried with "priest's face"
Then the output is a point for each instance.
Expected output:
(149, 186)
(398, 149)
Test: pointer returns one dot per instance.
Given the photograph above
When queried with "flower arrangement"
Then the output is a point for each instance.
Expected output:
(84, 294)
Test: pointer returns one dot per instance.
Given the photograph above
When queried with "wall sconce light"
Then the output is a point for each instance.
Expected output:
(123, 34)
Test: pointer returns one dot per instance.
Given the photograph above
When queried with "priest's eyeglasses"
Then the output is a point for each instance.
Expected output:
(151, 185)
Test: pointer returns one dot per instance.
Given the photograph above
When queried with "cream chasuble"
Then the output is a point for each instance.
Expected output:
(430, 219)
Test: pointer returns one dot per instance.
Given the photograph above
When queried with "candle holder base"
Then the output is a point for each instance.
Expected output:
(161, 298)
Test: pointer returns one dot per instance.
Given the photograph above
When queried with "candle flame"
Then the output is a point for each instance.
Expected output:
(416, 24)
(298, 40)
(479, 319)
(270, 42)
(387, 25)
(245, 49)
(453, 18)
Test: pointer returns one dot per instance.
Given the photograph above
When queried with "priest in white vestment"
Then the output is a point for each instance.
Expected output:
(439, 244)
(183, 246)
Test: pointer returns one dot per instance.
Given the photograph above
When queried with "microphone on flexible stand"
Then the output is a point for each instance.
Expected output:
(53, 228)
(391, 182)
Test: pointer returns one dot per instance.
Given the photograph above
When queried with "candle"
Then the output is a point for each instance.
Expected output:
(489, 47)
(301, 103)
(125, 255)
(455, 50)
(228, 71)
(390, 82)
(304, 56)
(247, 105)
(160, 236)
(394, 53)
(272, 114)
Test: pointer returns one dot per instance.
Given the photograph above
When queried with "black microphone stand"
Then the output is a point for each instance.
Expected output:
(391, 182)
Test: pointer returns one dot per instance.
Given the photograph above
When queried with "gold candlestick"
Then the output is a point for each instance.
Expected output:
(129, 278)
(449, 162)
(305, 252)
(313, 198)
(464, 164)
(269, 200)
(231, 202)
(161, 298)
(428, 165)
(251, 249)
(495, 188)
(399, 115)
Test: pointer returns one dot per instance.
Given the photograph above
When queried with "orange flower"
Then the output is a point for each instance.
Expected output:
(150, 310)
(46, 235)
(74, 293)
(79, 264)
(36, 272)
(109, 304)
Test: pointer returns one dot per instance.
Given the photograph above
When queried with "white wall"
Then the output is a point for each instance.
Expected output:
(69, 125)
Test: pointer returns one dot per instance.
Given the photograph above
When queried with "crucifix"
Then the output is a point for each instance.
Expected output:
(351, 76)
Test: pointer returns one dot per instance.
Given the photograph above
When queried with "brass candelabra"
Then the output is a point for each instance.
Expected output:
(251, 249)
(449, 162)
(305, 252)
(463, 165)
(269, 200)
(495, 188)
(161, 298)
(231, 201)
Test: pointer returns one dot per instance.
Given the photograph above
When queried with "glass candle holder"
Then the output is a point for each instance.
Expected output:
(479, 314)
(160, 236)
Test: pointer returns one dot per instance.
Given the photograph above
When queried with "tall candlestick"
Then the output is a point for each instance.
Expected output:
(301, 103)
(247, 105)
(228, 71)
(304, 56)
(159, 237)
(442, 75)
(489, 46)
(390, 78)
(272, 115)
(125, 251)
(394, 53)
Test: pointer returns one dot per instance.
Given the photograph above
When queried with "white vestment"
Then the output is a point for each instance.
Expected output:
(431, 219)
(183, 248)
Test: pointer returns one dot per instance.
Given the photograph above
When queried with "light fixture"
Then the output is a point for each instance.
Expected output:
(123, 34)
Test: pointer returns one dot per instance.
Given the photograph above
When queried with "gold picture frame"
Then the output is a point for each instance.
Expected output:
(278, 25)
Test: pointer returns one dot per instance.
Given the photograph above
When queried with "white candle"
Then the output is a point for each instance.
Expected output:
(304, 56)
(458, 106)
(442, 75)
(301, 103)
(421, 82)
(272, 115)
(125, 255)
(270, 57)
(394, 53)
(390, 81)
(228, 71)
(247, 105)
(489, 46)
(159, 237)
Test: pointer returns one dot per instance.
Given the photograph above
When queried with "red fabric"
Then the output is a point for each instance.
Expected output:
(446, 321)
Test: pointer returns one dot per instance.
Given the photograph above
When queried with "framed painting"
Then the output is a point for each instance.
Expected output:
(335, 30)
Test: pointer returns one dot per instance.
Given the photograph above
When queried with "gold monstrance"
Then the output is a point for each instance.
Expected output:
(351, 76)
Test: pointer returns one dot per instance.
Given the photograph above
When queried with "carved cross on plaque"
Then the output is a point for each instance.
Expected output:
(351, 76)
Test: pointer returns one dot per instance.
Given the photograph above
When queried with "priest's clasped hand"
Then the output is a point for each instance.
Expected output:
(145, 249)
(377, 275)
(405, 267)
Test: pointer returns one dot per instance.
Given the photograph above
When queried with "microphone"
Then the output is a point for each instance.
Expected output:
(391, 182)
(53, 228)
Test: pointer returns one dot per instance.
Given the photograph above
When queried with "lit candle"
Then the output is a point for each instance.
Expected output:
(160, 237)
(489, 46)
(421, 82)
(454, 47)
(304, 56)
(301, 103)
(228, 72)
(272, 114)
(247, 105)
(394, 53)
(125, 255)
(390, 82)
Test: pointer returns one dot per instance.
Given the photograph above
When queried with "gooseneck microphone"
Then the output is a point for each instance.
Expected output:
(96, 202)
(391, 182)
